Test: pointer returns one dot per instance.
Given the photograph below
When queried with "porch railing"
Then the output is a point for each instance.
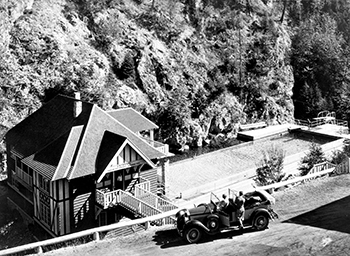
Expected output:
(135, 205)
(24, 176)
(154, 200)
(143, 184)
(145, 204)
(164, 148)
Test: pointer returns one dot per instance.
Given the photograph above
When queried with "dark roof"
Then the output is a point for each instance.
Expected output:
(58, 145)
(132, 119)
(46, 125)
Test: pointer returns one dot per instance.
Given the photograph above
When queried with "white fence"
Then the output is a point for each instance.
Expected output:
(320, 121)
(95, 232)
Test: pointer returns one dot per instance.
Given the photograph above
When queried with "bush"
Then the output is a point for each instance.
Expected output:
(338, 156)
(314, 156)
(270, 170)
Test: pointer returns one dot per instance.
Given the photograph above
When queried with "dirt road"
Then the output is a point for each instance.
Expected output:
(314, 220)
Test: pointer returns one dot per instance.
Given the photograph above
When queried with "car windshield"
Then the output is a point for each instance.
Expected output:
(214, 199)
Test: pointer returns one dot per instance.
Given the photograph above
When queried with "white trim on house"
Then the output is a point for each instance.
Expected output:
(110, 168)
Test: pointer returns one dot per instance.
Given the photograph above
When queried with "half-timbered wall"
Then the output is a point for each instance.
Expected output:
(43, 202)
(61, 210)
(128, 157)
(51, 204)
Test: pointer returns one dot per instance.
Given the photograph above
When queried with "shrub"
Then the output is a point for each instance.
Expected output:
(271, 165)
(338, 156)
(314, 156)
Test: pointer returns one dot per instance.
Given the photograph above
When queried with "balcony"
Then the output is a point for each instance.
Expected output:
(24, 178)
(164, 148)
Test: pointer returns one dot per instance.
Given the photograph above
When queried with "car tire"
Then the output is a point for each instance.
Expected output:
(193, 234)
(261, 222)
(212, 223)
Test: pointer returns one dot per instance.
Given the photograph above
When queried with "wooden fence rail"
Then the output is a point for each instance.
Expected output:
(95, 232)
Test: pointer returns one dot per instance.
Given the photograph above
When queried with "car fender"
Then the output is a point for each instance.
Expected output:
(260, 211)
(181, 212)
(196, 223)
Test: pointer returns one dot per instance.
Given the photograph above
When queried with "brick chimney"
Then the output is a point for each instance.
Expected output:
(78, 105)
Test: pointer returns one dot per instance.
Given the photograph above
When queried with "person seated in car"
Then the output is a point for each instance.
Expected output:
(223, 203)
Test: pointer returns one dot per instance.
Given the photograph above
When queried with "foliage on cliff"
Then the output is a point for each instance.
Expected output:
(194, 67)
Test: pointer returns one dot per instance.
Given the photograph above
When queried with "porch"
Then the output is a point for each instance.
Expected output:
(140, 200)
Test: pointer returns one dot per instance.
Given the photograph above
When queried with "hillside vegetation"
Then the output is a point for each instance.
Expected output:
(197, 68)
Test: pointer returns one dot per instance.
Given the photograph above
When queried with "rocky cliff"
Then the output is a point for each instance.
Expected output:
(196, 68)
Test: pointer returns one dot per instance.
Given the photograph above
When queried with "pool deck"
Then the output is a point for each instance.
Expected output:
(266, 132)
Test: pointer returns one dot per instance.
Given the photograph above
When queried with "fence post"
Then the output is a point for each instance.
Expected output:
(96, 236)
(147, 225)
(39, 250)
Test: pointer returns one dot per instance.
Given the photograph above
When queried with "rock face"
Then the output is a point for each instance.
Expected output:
(205, 68)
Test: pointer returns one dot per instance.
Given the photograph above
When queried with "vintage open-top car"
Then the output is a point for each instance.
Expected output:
(209, 218)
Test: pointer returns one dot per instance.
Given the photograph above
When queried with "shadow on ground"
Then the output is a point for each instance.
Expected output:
(170, 238)
(332, 216)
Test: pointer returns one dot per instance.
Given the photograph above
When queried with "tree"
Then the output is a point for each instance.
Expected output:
(173, 116)
(319, 62)
(271, 166)
(314, 156)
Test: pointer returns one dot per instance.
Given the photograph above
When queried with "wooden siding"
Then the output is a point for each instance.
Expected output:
(151, 175)
(126, 157)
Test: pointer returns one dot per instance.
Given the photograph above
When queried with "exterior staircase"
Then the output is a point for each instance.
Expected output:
(142, 203)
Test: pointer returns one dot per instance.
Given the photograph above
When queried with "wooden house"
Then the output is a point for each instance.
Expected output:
(75, 166)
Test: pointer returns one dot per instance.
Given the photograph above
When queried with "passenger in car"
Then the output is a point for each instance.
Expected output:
(223, 203)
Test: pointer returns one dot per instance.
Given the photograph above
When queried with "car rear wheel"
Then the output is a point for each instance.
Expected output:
(261, 221)
(193, 234)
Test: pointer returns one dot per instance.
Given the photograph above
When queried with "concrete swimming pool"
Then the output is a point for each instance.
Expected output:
(244, 157)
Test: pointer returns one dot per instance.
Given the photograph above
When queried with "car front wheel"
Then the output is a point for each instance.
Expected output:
(193, 234)
(261, 221)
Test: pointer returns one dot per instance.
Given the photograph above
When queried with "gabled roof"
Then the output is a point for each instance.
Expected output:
(116, 143)
(46, 125)
(132, 119)
(58, 145)
(110, 144)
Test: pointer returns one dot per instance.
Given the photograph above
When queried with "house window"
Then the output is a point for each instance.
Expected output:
(43, 183)
(106, 181)
(45, 214)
